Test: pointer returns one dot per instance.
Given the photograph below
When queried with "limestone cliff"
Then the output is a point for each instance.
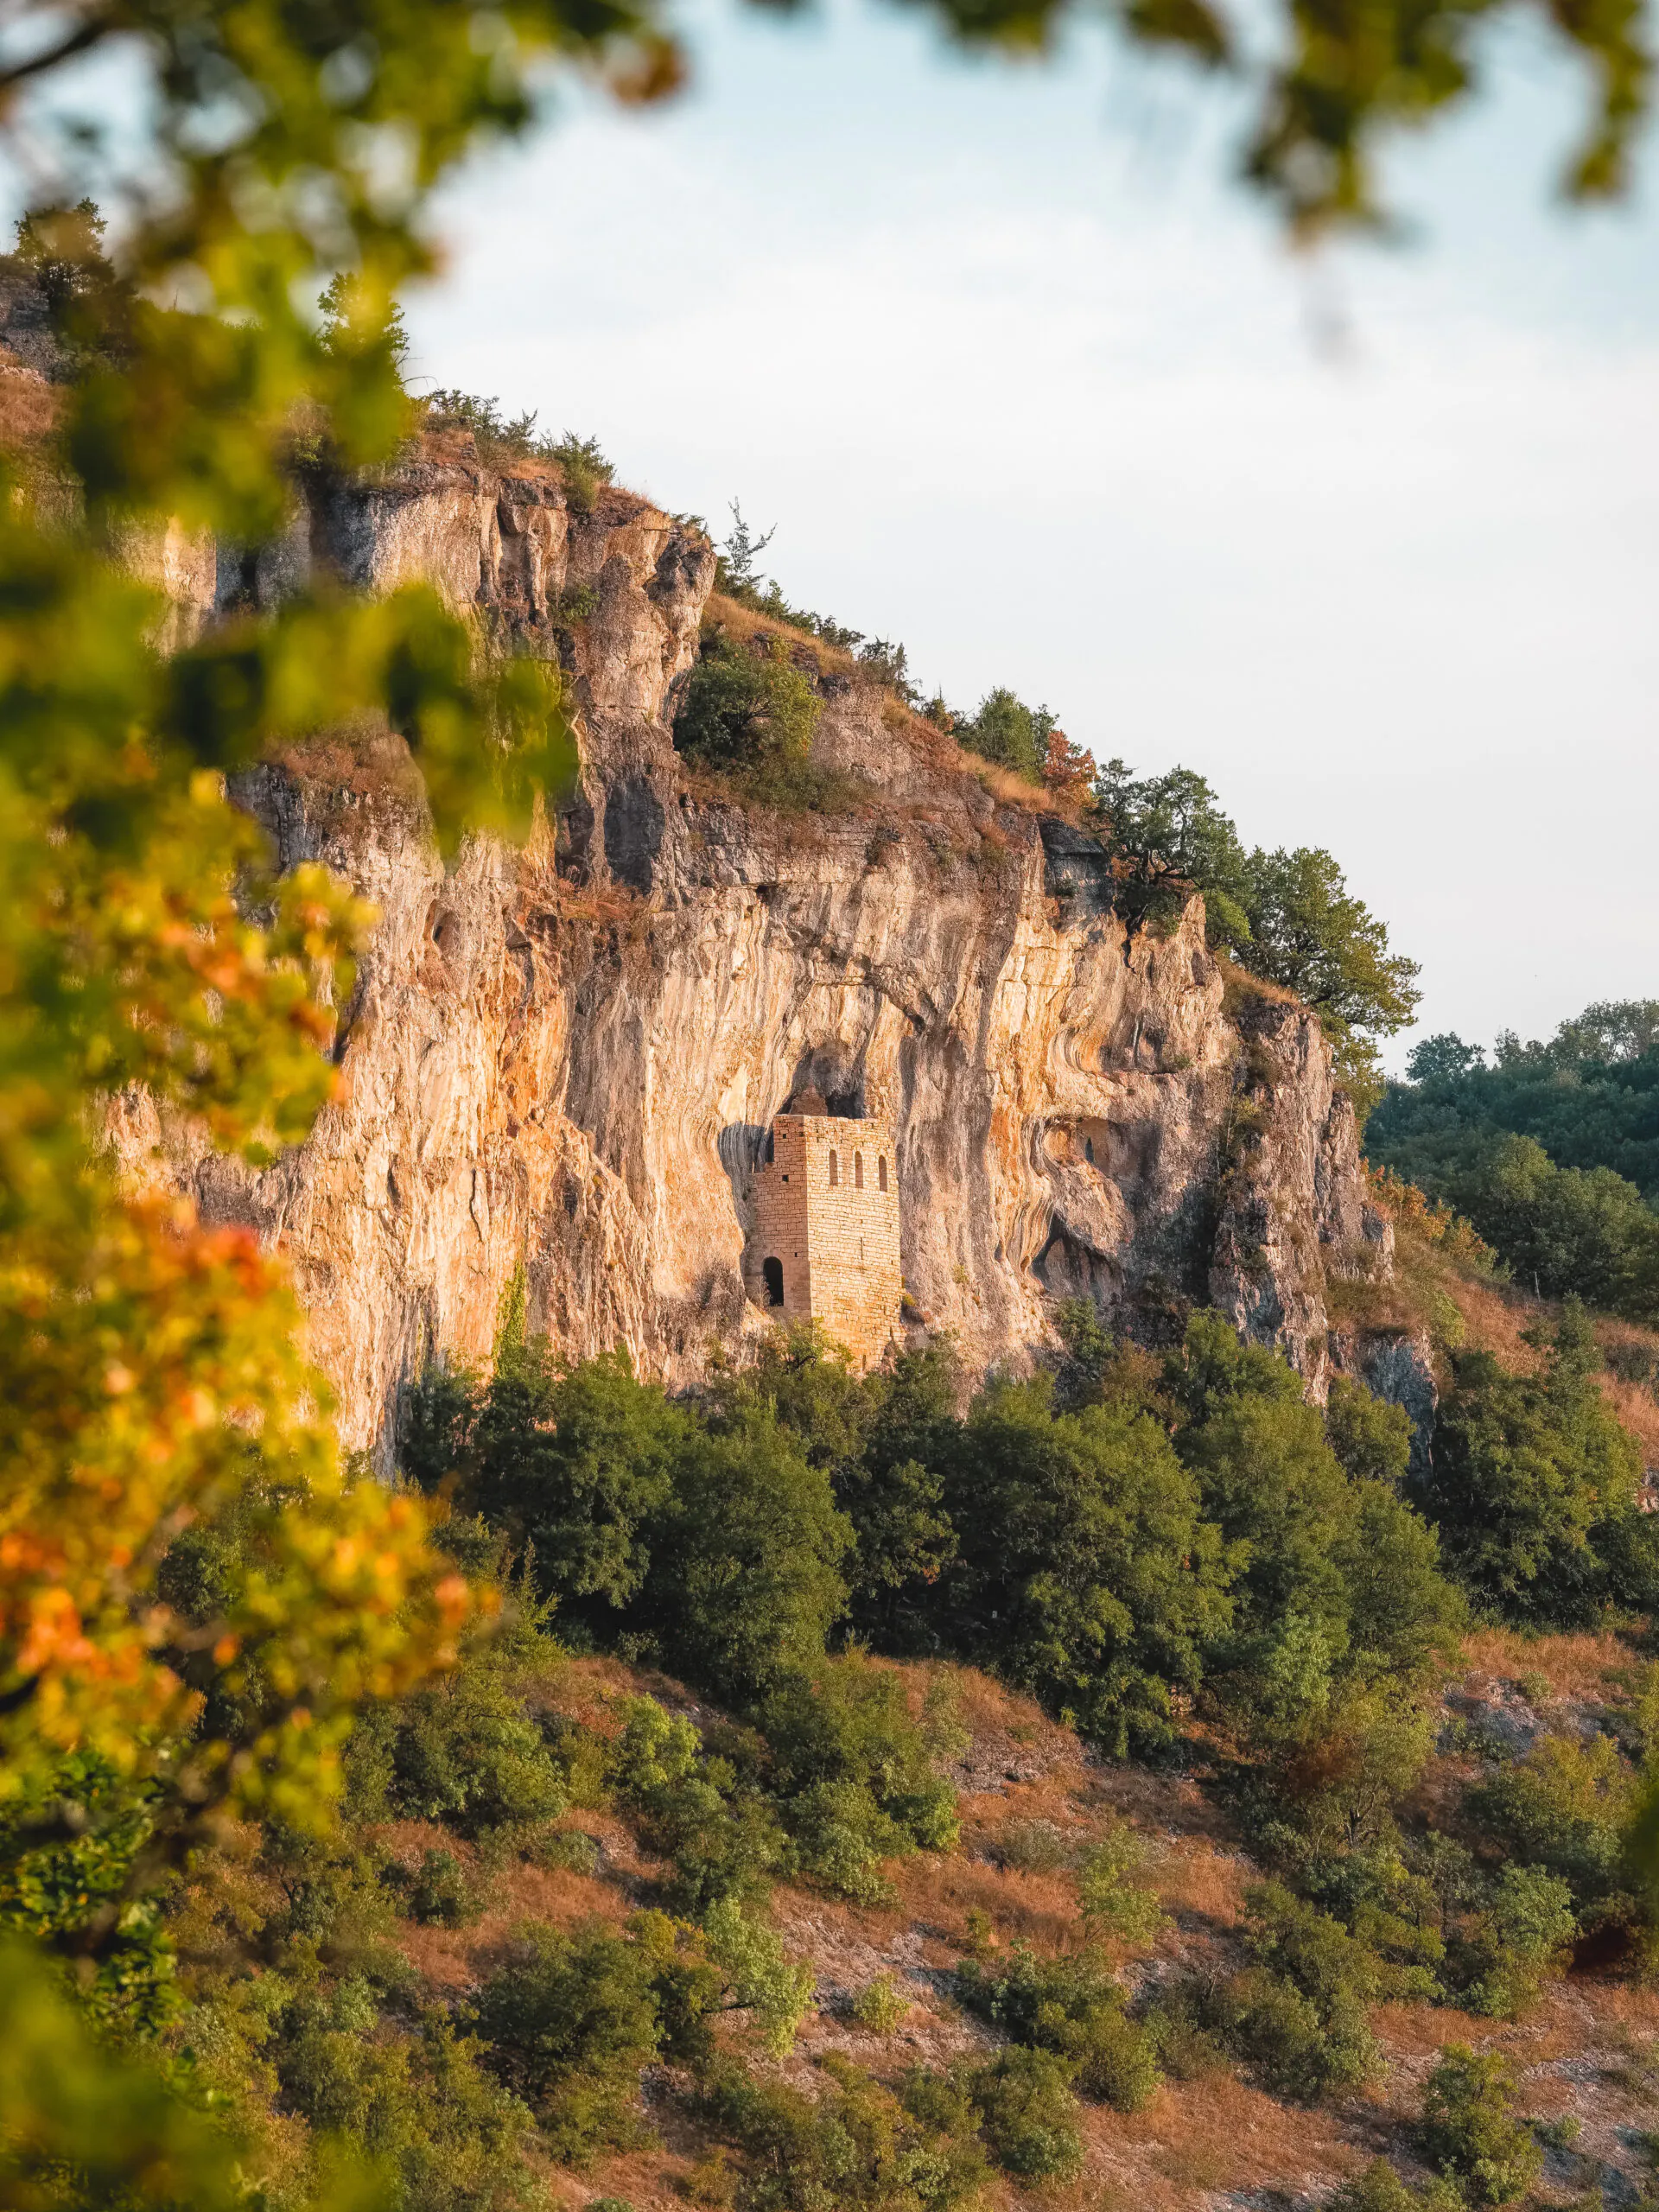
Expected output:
(568, 1056)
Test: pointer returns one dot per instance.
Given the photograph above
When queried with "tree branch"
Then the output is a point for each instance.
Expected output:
(77, 42)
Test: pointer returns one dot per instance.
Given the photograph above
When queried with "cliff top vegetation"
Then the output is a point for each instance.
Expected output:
(751, 706)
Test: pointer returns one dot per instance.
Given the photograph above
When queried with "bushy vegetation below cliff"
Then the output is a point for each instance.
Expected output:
(593, 1891)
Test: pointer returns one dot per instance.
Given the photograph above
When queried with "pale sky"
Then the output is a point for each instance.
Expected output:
(1024, 381)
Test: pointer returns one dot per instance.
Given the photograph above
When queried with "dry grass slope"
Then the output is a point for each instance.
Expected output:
(1590, 2050)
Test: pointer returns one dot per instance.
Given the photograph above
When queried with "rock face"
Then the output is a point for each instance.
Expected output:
(567, 1057)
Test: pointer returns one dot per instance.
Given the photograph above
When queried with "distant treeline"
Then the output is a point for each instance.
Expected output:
(1551, 1150)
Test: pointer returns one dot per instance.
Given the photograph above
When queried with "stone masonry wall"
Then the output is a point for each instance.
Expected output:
(838, 1239)
(780, 1230)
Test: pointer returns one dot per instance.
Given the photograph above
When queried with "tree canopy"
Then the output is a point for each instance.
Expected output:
(1552, 1152)
(1289, 917)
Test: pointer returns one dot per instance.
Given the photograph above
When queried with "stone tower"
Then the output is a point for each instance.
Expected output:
(826, 1227)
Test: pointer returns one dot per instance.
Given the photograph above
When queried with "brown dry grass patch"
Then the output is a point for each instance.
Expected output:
(1009, 789)
(938, 1894)
(1496, 1318)
(986, 1706)
(459, 1957)
(732, 615)
(1239, 983)
(937, 747)
(1577, 1667)
(647, 2177)
(1495, 1315)
(30, 408)
(1197, 2138)
(1195, 1881)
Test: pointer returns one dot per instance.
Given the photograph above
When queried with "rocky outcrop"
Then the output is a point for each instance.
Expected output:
(567, 1056)
(1398, 1364)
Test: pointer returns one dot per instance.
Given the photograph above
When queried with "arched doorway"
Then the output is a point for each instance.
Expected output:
(773, 1272)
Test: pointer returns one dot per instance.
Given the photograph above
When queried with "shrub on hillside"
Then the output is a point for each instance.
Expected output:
(465, 1749)
(1072, 2005)
(1002, 728)
(502, 440)
(418, 2104)
(852, 1771)
(582, 466)
(1340, 1581)
(1298, 2016)
(1535, 1489)
(1566, 1807)
(1519, 1927)
(1380, 2188)
(859, 2145)
(879, 2005)
(745, 1580)
(571, 2022)
(884, 1439)
(1470, 2132)
(697, 1809)
(1027, 2113)
(439, 1891)
(571, 1465)
(751, 715)
(1084, 1562)
(755, 1975)
(1113, 1891)
(1371, 1437)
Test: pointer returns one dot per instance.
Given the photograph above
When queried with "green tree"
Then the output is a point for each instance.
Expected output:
(1073, 2006)
(852, 1769)
(1300, 2014)
(1443, 1055)
(894, 1495)
(1553, 1153)
(1168, 838)
(579, 1466)
(1369, 1436)
(1028, 2114)
(1085, 1562)
(80, 2126)
(1470, 2130)
(749, 713)
(1310, 933)
(745, 1581)
(1565, 1231)
(1004, 729)
(1610, 1030)
(883, 1438)
(1342, 1580)
(1534, 1489)
(572, 2021)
